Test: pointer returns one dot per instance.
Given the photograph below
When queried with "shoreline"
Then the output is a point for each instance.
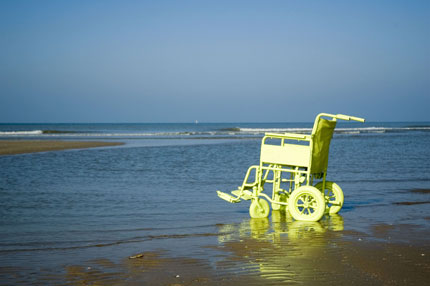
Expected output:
(14, 147)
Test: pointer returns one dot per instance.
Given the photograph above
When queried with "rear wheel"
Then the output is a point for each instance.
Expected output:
(333, 196)
(259, 208)
(306, 204)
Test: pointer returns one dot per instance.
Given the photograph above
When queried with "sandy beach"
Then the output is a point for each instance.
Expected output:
(11, 147)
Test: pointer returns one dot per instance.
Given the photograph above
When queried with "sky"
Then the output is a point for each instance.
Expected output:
(213, 61)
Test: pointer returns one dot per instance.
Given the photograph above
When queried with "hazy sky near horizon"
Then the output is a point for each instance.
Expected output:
(213, 61)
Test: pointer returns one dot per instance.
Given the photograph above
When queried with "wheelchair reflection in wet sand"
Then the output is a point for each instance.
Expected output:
(293, 163)
(281, 249)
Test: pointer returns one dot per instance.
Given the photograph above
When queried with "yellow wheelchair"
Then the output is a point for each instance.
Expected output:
(296, 166)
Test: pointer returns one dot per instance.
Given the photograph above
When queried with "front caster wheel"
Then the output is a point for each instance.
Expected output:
(259, 208)
(306, 204)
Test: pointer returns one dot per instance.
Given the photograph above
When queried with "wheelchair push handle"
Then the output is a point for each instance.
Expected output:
(347, 117)
(340, 116)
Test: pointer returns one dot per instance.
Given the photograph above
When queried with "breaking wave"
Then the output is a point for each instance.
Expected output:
(31, 132)
(231, 132)
(337, 130)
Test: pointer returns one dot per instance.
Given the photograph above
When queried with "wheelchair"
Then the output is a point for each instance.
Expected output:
(296, 167)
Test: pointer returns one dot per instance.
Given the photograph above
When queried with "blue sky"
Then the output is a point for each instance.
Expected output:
(213, 61)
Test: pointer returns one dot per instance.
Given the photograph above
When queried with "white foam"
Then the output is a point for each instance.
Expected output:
(237, 131)
(357, 130)
(116, 134)
(32, 132)
(250, 130)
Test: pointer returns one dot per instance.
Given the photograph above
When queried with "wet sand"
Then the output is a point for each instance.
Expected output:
(273, 251)
(307, 254)
(11, 147)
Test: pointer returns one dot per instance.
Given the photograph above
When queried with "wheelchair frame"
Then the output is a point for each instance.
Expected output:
(298, 165)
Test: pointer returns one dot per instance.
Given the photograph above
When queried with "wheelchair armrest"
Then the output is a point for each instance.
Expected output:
(286, 135)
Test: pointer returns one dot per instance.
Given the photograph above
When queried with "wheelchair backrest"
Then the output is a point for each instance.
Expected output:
(285, 154)
(297, 150)
(322, 134)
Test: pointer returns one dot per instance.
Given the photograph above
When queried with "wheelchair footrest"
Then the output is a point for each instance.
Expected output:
(227, 197)
(246, 195)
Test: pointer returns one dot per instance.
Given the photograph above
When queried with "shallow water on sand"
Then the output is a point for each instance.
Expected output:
(157, 196)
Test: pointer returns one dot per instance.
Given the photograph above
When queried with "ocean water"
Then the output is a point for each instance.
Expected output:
(158, 191)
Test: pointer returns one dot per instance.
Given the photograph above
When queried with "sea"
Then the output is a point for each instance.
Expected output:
(157, 192)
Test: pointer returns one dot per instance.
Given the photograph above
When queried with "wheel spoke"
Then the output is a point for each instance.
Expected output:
(304, 198)
(329, 194)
